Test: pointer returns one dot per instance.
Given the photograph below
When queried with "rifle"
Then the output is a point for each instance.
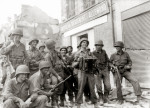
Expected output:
(56, 86)
(115, 69)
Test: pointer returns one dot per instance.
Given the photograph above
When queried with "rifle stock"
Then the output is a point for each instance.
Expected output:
(115, 69)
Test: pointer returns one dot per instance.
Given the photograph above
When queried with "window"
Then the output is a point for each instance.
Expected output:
(88, 3)
(70, 8)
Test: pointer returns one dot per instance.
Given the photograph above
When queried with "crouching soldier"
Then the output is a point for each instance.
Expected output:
(103, 72)
(39, 83)
(17, 92)
(121, 67)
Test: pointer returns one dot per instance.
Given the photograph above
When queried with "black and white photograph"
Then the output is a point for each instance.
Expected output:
(74, 53)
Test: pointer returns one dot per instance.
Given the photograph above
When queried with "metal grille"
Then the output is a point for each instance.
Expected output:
(136, 32)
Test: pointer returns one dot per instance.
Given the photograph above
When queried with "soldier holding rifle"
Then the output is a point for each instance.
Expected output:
(121, 63)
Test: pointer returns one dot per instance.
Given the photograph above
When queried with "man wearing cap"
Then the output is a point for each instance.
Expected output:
(42, 49)
(17, 92)
(34, 56)
(103, 72)
(87, 73)
(53, 57)
(68, 85)
(122, 61)
(16, 50)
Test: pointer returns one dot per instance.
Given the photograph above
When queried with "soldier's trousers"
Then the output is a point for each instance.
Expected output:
(103, 75)
(84, 78)
(40, 102)
(129, 76)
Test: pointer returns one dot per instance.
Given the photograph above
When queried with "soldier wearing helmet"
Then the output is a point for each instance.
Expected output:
(40, 85)
(41, 48)
(82, 57)
(53, 57)
(103, 72)
(122, 61)
(17, 93)
(16, 50)
(34, 56)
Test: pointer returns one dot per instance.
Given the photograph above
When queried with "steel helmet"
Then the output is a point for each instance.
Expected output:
(84, 39)
(22, 69)
(17, 31)
(41, 45)
(44, 64)
(119, 44)
(63, 48)
(100, 42)
(50, 43)
(33, 39)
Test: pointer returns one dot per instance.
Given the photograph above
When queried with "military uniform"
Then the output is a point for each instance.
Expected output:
(68, 85)
(86, 75)
(34, 57)
(17, 53)
(43, 53)
(53, 57)
(123, 62)
(102, 65)
(17, 92)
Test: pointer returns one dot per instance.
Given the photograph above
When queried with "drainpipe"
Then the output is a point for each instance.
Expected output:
(112, 20)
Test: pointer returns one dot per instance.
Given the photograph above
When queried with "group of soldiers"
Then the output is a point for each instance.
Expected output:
(41, 77)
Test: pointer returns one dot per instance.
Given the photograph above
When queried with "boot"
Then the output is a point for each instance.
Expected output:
(106, 99)
(54, 101)
(62, 103)
(78, 105)
(138, 98)
(119, 102)
(96, 105)
(101, 98)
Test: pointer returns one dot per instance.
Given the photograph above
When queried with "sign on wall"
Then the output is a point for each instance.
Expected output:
(91, 14)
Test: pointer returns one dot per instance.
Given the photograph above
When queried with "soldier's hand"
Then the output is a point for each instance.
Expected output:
(50, 93)
(52, 86)
(28, 102)
(59, 78)
(23, 104)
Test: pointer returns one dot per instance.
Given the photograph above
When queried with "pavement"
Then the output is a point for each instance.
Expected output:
(129, 100)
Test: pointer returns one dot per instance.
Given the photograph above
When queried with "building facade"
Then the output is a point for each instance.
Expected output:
(110, 21)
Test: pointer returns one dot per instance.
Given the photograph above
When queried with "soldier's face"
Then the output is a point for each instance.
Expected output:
(118, 48)
(42, 48)
(4, 58)
(16, 38)
(45, 71)
(34, 43)
(11, 37)
(69, 49)
(22, 77)
(63, 51)
(84, 44)
(99, 47)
